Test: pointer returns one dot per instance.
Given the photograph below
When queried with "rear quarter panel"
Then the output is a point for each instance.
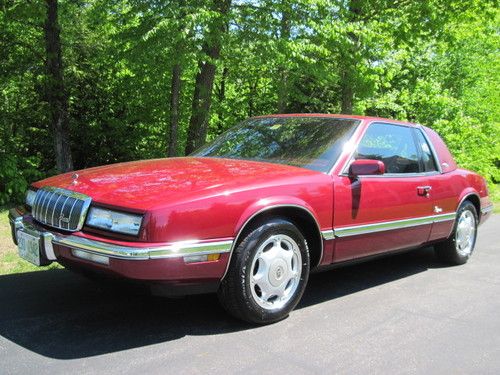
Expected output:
(448, 191)
(451, 187)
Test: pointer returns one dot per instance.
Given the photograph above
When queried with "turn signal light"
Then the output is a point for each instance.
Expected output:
(201, 258)
(212, 257)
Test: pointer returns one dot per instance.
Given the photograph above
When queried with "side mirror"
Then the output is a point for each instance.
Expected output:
(366, 167)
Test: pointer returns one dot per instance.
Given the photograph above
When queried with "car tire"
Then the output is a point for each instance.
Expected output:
(268, 273)
(458, 248)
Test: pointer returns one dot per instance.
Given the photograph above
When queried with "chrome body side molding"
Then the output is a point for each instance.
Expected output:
(328, 234)
(191, 248)
(385, 226)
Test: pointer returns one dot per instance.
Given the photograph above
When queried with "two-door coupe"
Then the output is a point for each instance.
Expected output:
(251, 214)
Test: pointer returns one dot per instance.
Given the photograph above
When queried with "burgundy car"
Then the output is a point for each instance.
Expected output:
(251, 214)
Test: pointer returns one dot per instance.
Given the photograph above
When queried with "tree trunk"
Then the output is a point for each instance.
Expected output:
(204, 83)
(251, 96)
(55, 90)
(202, 99)
(348, 64)
(175, 87)
(222, 91)
(346, 92)
(283, 76)
(174, 109)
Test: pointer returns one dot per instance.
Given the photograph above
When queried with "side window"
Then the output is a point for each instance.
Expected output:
(392, 144)
(428, 161)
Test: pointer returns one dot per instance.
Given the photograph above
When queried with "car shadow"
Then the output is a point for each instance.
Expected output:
(62, 315)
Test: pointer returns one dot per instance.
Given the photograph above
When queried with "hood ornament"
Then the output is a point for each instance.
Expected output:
(74, 177)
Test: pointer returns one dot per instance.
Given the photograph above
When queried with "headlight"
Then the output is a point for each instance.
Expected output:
(30, 197)
(114, 221)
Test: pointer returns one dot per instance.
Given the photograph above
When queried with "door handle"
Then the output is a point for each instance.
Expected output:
(424, 191)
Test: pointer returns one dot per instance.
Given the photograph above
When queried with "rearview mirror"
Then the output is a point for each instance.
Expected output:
(366, 167)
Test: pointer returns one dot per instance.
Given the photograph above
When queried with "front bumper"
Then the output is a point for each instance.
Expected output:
(159, 263)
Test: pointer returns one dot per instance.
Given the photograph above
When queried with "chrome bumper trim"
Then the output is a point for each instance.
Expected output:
(177, 249)
(486, 209)
(391, 225)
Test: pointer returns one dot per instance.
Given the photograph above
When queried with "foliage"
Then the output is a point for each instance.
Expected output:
(432, 62)
(494, 193)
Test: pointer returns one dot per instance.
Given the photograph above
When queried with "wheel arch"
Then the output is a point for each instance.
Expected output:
(301, 216)
(474, 198)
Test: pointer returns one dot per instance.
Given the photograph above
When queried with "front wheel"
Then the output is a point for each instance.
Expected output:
(268, 273)
(458, 248)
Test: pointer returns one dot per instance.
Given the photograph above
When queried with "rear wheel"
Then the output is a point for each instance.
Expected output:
(458, 248)
(268, 273)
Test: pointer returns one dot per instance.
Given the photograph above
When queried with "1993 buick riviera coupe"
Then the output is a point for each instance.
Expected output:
(251, 214)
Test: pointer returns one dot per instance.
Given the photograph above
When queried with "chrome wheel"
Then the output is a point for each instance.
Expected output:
(465, 233)
(275, 272)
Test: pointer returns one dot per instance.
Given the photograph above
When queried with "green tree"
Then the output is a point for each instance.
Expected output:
(115, 80)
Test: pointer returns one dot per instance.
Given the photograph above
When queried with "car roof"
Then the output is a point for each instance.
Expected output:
(332, 115)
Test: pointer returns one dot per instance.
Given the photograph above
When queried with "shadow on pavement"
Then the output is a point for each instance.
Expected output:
(61, 315)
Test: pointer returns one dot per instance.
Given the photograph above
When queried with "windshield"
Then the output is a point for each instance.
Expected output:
(308, 142)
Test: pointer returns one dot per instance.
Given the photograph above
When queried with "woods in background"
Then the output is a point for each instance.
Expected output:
(86, 83)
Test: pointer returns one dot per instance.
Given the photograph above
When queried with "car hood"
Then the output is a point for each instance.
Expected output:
(147, 184)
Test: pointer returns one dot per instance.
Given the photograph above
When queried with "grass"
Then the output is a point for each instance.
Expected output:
(10, 262)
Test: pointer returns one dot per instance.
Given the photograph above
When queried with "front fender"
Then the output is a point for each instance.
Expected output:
(269, 203)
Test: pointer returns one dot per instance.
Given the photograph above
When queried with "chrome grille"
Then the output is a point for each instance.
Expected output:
(60, 208)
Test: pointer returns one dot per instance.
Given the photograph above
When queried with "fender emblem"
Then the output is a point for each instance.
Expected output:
(74, 177)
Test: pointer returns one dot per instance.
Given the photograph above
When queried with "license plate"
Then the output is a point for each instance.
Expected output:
(29, 247)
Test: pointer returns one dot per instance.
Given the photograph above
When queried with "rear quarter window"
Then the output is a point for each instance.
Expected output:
(427, 158)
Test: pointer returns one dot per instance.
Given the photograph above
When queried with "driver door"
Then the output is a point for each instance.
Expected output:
(381, 213)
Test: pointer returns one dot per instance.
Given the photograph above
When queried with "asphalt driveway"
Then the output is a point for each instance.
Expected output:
(403, 314)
